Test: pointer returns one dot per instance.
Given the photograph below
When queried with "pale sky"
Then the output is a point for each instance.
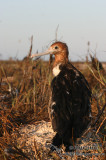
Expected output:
(79, 21)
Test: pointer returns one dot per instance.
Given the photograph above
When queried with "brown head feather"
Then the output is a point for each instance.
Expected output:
(60, 50)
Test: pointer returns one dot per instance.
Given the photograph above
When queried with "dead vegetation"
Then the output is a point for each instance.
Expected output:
(24, 98)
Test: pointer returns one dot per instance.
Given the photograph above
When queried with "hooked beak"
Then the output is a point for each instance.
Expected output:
(49, 51)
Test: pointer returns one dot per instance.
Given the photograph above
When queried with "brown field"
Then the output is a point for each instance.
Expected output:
(25, 91)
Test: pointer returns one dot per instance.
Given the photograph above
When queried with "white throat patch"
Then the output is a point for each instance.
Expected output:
(56, 70)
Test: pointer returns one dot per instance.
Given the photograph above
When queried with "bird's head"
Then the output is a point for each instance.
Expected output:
(59, 50)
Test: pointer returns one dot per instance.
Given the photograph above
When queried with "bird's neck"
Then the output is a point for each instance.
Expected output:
(60, 59)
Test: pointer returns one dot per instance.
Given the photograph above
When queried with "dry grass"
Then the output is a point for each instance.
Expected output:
(24, 98)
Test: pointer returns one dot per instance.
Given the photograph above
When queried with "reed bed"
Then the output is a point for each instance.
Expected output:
(24, 99)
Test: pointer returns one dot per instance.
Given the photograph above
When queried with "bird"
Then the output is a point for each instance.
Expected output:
(70, 105)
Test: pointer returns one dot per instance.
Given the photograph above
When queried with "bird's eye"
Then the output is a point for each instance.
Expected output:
(56, 47)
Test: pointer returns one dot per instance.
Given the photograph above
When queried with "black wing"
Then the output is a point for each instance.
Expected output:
(70, 107)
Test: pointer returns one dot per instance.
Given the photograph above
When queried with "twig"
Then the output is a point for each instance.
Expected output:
(98, 116)
(37, 156)
(56, 32)
(10, 88)
(96, 77)
(100, 125)
(17, 151)
(30, 50)
(98, 107)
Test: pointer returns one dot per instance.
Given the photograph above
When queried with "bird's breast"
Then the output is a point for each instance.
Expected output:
(56, 69)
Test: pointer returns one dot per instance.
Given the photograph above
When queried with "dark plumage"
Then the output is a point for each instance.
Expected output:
(70, 105)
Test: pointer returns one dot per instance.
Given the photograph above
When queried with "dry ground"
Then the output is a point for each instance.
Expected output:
(24, 98)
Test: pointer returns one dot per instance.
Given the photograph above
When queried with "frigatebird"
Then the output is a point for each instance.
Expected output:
(70, 108)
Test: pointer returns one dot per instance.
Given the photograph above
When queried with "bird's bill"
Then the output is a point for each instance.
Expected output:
(49, 51)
